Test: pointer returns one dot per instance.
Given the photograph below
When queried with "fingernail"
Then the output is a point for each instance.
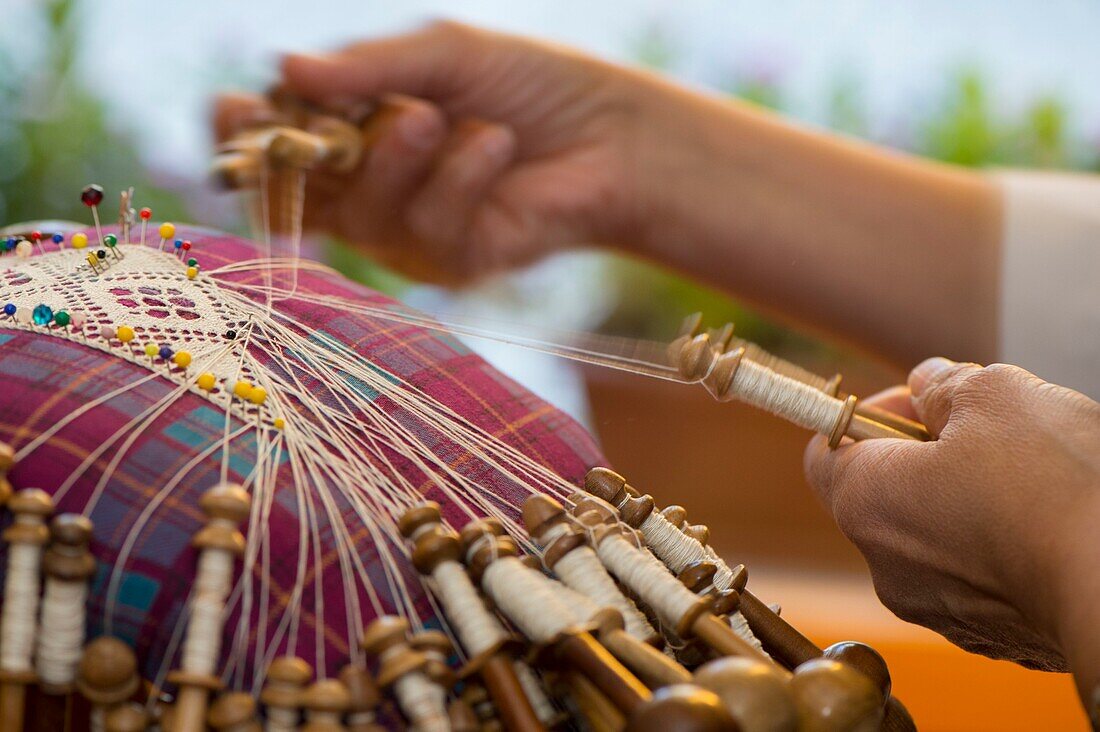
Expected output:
(419, 131)
(926, 372)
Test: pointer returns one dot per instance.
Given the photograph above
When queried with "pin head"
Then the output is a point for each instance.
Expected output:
(92, 195)
(181, 359)
(178, 243)
(36, 236)
(192, 262)
(151, 350)
(101, 253)
(125, 333)
(192, 272)
(186, 245)
(206, 381)
(165, 352)
(9, 243)
(79, 240)
(110, 240)
(42, 315)
(58, 238)
(10, 309)
(62, 318)
(167, 231)
(23, 249)
(145, 213)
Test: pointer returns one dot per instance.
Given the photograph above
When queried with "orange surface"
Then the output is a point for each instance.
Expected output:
(945, 689)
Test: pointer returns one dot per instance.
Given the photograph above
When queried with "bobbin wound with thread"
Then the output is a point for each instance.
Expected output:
(364, 697)
(282, 693)
(234, 711)
(325, 702)
(68, 564)
(107, 675)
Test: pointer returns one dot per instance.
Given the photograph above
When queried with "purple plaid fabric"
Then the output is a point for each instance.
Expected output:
(43, 378)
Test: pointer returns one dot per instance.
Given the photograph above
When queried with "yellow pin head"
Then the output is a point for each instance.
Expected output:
(126, 334)
(79, 240)
(166, 230)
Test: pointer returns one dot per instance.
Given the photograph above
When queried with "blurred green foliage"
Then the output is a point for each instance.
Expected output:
(54, 136)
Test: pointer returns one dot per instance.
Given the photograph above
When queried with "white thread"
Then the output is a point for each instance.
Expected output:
(477, 628)
(786, 397)
(648, 578)
(582, 570)
(17, 621)
(423, 702)
(61, 633)
(204, 631)
(532, 687)
(526, 599)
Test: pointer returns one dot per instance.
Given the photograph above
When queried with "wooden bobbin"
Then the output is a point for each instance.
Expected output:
(477, 699)
(325, 702)
(107, 675)
(682, 707)
(697, 621)
(68, 565)
(282, 693)
(26, 537)
(573, 647)
(225, 506)
(652, 666)
(437, 648)
(234, 711)
(405, 670)
(364, 697)
(7, 462)
(754, 692)
(128, 717)
(833, 697)
(434, 545)
(462, 717)
(547, 523)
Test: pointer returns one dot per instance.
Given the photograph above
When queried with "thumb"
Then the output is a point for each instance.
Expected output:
(425, 63)
(933, 384)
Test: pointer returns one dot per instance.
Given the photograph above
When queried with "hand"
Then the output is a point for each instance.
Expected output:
(490, 151)
(986, 535)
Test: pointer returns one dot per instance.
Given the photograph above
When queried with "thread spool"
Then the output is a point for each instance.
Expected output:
(524, 597)
(677, 607)
(568, 555)
(68, 564)
(282, 693)
(364, 696)
(25, 537)
(404, 669)
(234, 711)
(107, 676)
(436, 552)
(219, 543)
(325, 702)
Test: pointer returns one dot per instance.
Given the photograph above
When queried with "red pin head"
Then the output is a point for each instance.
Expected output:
(186, 245)
(145, 214)
(92, 195)
(36, 236)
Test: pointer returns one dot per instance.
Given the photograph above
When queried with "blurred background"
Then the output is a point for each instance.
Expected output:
(118, 92)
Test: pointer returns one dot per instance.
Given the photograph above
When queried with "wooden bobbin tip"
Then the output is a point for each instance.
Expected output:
(606, 484)
(834, 696)
(232, 711)
(866, 660)
(675, 515)
(107, 673)
(326, 695)
(696, 358)
(437, 545)
(540, 513)
(684, 708)
(697, 576)
(362, 689)
(286, 677)
(227, 501)
(424, 514)
(754, 691)
(7, 458)
(68, 557)
(472, 532)
(130, 717)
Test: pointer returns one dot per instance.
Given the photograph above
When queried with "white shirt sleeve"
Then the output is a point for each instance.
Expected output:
(1050, 289)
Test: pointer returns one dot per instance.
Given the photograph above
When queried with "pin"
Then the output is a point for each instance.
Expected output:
(186, 248)
(62, 319)
(91, 197)
(9, 310)
(79, 240)
(192, 272)
(192, 262)
(112, 245)
(151, 351)
(23, 316)
(9, 243)
(165, 354)
(23, 249)
(36, 238)
(125, 213)
(107, 333)
(78, 320)
(42, 315)
(182, 359)
(125, 334)
(145, 214)
(59, 240)
(242, 389)
(178, 245)
(93, 262)
(206, 381)
(166, 231)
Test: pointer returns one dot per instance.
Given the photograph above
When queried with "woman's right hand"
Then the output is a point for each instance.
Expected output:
(490, 151)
